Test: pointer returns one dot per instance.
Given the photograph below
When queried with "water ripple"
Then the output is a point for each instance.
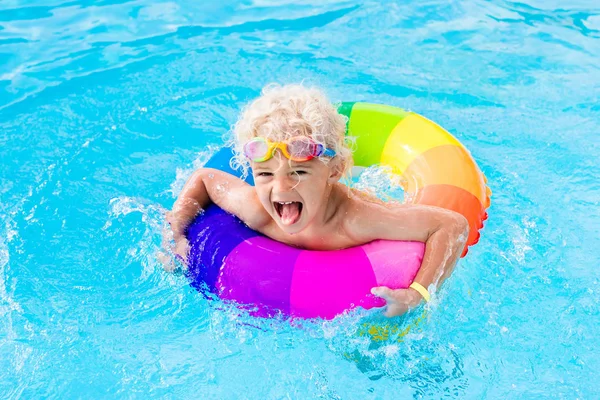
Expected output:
(106, 107)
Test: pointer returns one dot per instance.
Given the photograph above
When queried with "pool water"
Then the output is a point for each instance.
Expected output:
(107, 106)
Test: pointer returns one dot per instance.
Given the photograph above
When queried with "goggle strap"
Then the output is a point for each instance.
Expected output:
(329, 153)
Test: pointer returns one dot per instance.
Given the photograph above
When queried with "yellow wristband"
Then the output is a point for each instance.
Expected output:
(421, 289)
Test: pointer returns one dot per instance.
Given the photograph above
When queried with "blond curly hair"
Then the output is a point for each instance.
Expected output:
(283, 112)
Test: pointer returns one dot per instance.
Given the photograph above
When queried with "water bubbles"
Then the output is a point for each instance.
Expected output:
(221, 188)
(390, 350)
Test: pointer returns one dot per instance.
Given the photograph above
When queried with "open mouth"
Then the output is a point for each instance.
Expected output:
(289, 211)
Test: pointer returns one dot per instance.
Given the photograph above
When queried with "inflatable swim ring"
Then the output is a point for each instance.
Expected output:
(236, 263)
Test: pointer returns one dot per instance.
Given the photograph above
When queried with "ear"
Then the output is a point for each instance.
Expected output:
(336, 170)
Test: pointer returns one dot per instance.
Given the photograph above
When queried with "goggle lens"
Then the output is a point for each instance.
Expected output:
(256, 150)
(302, 149)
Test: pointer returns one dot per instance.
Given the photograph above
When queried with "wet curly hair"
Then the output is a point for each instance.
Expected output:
(283, 112)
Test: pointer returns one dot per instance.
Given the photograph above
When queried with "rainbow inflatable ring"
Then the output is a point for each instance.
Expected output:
(236, 263)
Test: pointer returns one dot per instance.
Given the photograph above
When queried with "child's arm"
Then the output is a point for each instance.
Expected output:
(207, 186)
(444, 233)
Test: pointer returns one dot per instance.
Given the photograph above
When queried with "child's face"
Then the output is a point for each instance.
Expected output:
(294, 193)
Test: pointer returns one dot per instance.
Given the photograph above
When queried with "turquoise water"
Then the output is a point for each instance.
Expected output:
(107, 106)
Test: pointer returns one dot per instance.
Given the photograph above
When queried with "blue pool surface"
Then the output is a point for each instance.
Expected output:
(107, 106)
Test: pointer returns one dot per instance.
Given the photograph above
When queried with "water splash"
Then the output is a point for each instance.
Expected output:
(144, 237)
(380, 182)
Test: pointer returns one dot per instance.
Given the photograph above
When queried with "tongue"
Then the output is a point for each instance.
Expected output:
(290, 213)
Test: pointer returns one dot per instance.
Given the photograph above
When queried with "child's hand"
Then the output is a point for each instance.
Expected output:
(398, 301)
(182, 249)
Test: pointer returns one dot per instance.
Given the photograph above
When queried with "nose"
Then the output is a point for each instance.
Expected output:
(283, 183)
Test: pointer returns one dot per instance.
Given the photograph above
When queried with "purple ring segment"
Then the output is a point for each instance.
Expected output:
(212, 236)
(259, 272)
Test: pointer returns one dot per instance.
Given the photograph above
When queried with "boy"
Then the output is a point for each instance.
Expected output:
(293, 139)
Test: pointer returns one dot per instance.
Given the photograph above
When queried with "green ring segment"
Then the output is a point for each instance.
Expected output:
(371, 125)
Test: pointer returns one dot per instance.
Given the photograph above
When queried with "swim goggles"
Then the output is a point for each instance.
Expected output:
(297, 149)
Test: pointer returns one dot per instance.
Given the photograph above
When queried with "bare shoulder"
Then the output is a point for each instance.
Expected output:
(369, 218)
(358, 209)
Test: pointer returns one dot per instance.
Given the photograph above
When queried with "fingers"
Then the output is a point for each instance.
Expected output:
(396, 305)
(383, 291)
(182, 250)
(395, 310)
(166, 261)
(392, 312)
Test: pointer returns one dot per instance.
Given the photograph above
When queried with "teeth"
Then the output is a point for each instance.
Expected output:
(285, 202)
